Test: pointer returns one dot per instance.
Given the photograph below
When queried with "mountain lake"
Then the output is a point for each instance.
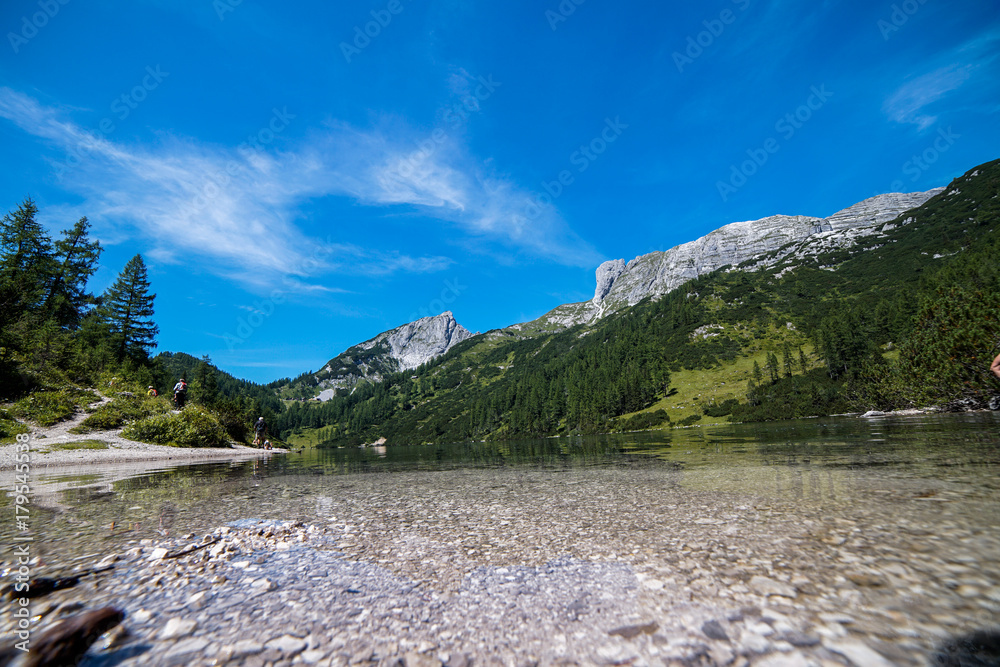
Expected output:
(830, 541)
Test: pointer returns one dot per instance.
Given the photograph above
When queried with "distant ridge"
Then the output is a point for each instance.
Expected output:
(758, 242)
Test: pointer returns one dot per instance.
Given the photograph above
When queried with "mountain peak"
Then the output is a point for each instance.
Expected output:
(401, 349)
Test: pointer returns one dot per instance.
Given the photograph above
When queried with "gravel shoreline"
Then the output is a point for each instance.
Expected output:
(584, 566)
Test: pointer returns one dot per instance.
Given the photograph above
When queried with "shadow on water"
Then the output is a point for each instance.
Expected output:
(976, 649)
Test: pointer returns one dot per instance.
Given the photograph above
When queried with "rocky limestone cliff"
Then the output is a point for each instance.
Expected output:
(400, 349)
(621, 284)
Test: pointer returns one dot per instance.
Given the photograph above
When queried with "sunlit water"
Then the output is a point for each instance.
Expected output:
(848, 460)
(894, 520)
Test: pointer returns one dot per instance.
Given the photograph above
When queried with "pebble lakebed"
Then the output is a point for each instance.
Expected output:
(579, 566)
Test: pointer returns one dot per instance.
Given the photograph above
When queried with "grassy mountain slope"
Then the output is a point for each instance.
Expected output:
(843, 308)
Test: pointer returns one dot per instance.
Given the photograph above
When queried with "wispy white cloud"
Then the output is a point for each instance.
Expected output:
(238, 208)
(432, 173)
(909, 103)
(916, 101)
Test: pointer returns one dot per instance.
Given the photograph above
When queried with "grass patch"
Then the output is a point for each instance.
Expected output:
(121, 411)
(45, 408)
(700, 392)
(10, 428)
(78, 444)
(49, 407)
(193, 427)
(304, 437)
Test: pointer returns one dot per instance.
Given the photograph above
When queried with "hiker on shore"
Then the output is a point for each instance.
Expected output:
(180, 393)
(259, 429)
(995, 367)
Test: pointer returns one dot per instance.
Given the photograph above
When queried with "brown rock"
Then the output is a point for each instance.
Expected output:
(66, 642)
(632, 631)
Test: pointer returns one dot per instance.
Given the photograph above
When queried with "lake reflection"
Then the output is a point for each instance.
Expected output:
(816, 459)
(896, 520)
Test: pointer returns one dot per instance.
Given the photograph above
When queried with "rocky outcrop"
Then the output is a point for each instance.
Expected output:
(400, 349)
(754, 244)
(418, 342)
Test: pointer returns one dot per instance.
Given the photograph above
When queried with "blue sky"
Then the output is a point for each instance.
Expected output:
(302, 176)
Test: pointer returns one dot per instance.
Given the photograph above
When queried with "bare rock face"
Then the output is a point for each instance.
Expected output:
(401, 349)
(418, 342)
(660, 272)
(767, 241)
(876, 210)
(607, 274)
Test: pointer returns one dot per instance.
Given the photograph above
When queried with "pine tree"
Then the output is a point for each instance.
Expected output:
(26, 261)
(207, 387)
(787, 362)
(127, 308)
(67, 298)
(772, 367)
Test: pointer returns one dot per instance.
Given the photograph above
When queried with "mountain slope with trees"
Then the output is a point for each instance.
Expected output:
(906, 316)
(868, 311)
(58, 342)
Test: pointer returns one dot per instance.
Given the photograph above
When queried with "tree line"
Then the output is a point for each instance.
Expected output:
(53, 329)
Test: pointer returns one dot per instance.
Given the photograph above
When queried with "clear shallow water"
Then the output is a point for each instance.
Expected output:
(895, 522)
(934, 456)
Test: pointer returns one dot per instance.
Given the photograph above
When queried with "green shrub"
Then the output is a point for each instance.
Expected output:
(45, 408)
(235, 418)
(121, 411)
(642, 421)
(689, 420)
(10, 427)
(192, 427)
(720, 409)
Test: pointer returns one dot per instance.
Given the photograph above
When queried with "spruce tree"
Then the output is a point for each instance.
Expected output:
(127, 309)
(77, 257)
(772, 367)
(206, 383)
(787, 363)
(26, 261)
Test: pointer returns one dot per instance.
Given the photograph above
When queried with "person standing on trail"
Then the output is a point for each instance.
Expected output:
(259, 429)
(180, 393)
(995, 367)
